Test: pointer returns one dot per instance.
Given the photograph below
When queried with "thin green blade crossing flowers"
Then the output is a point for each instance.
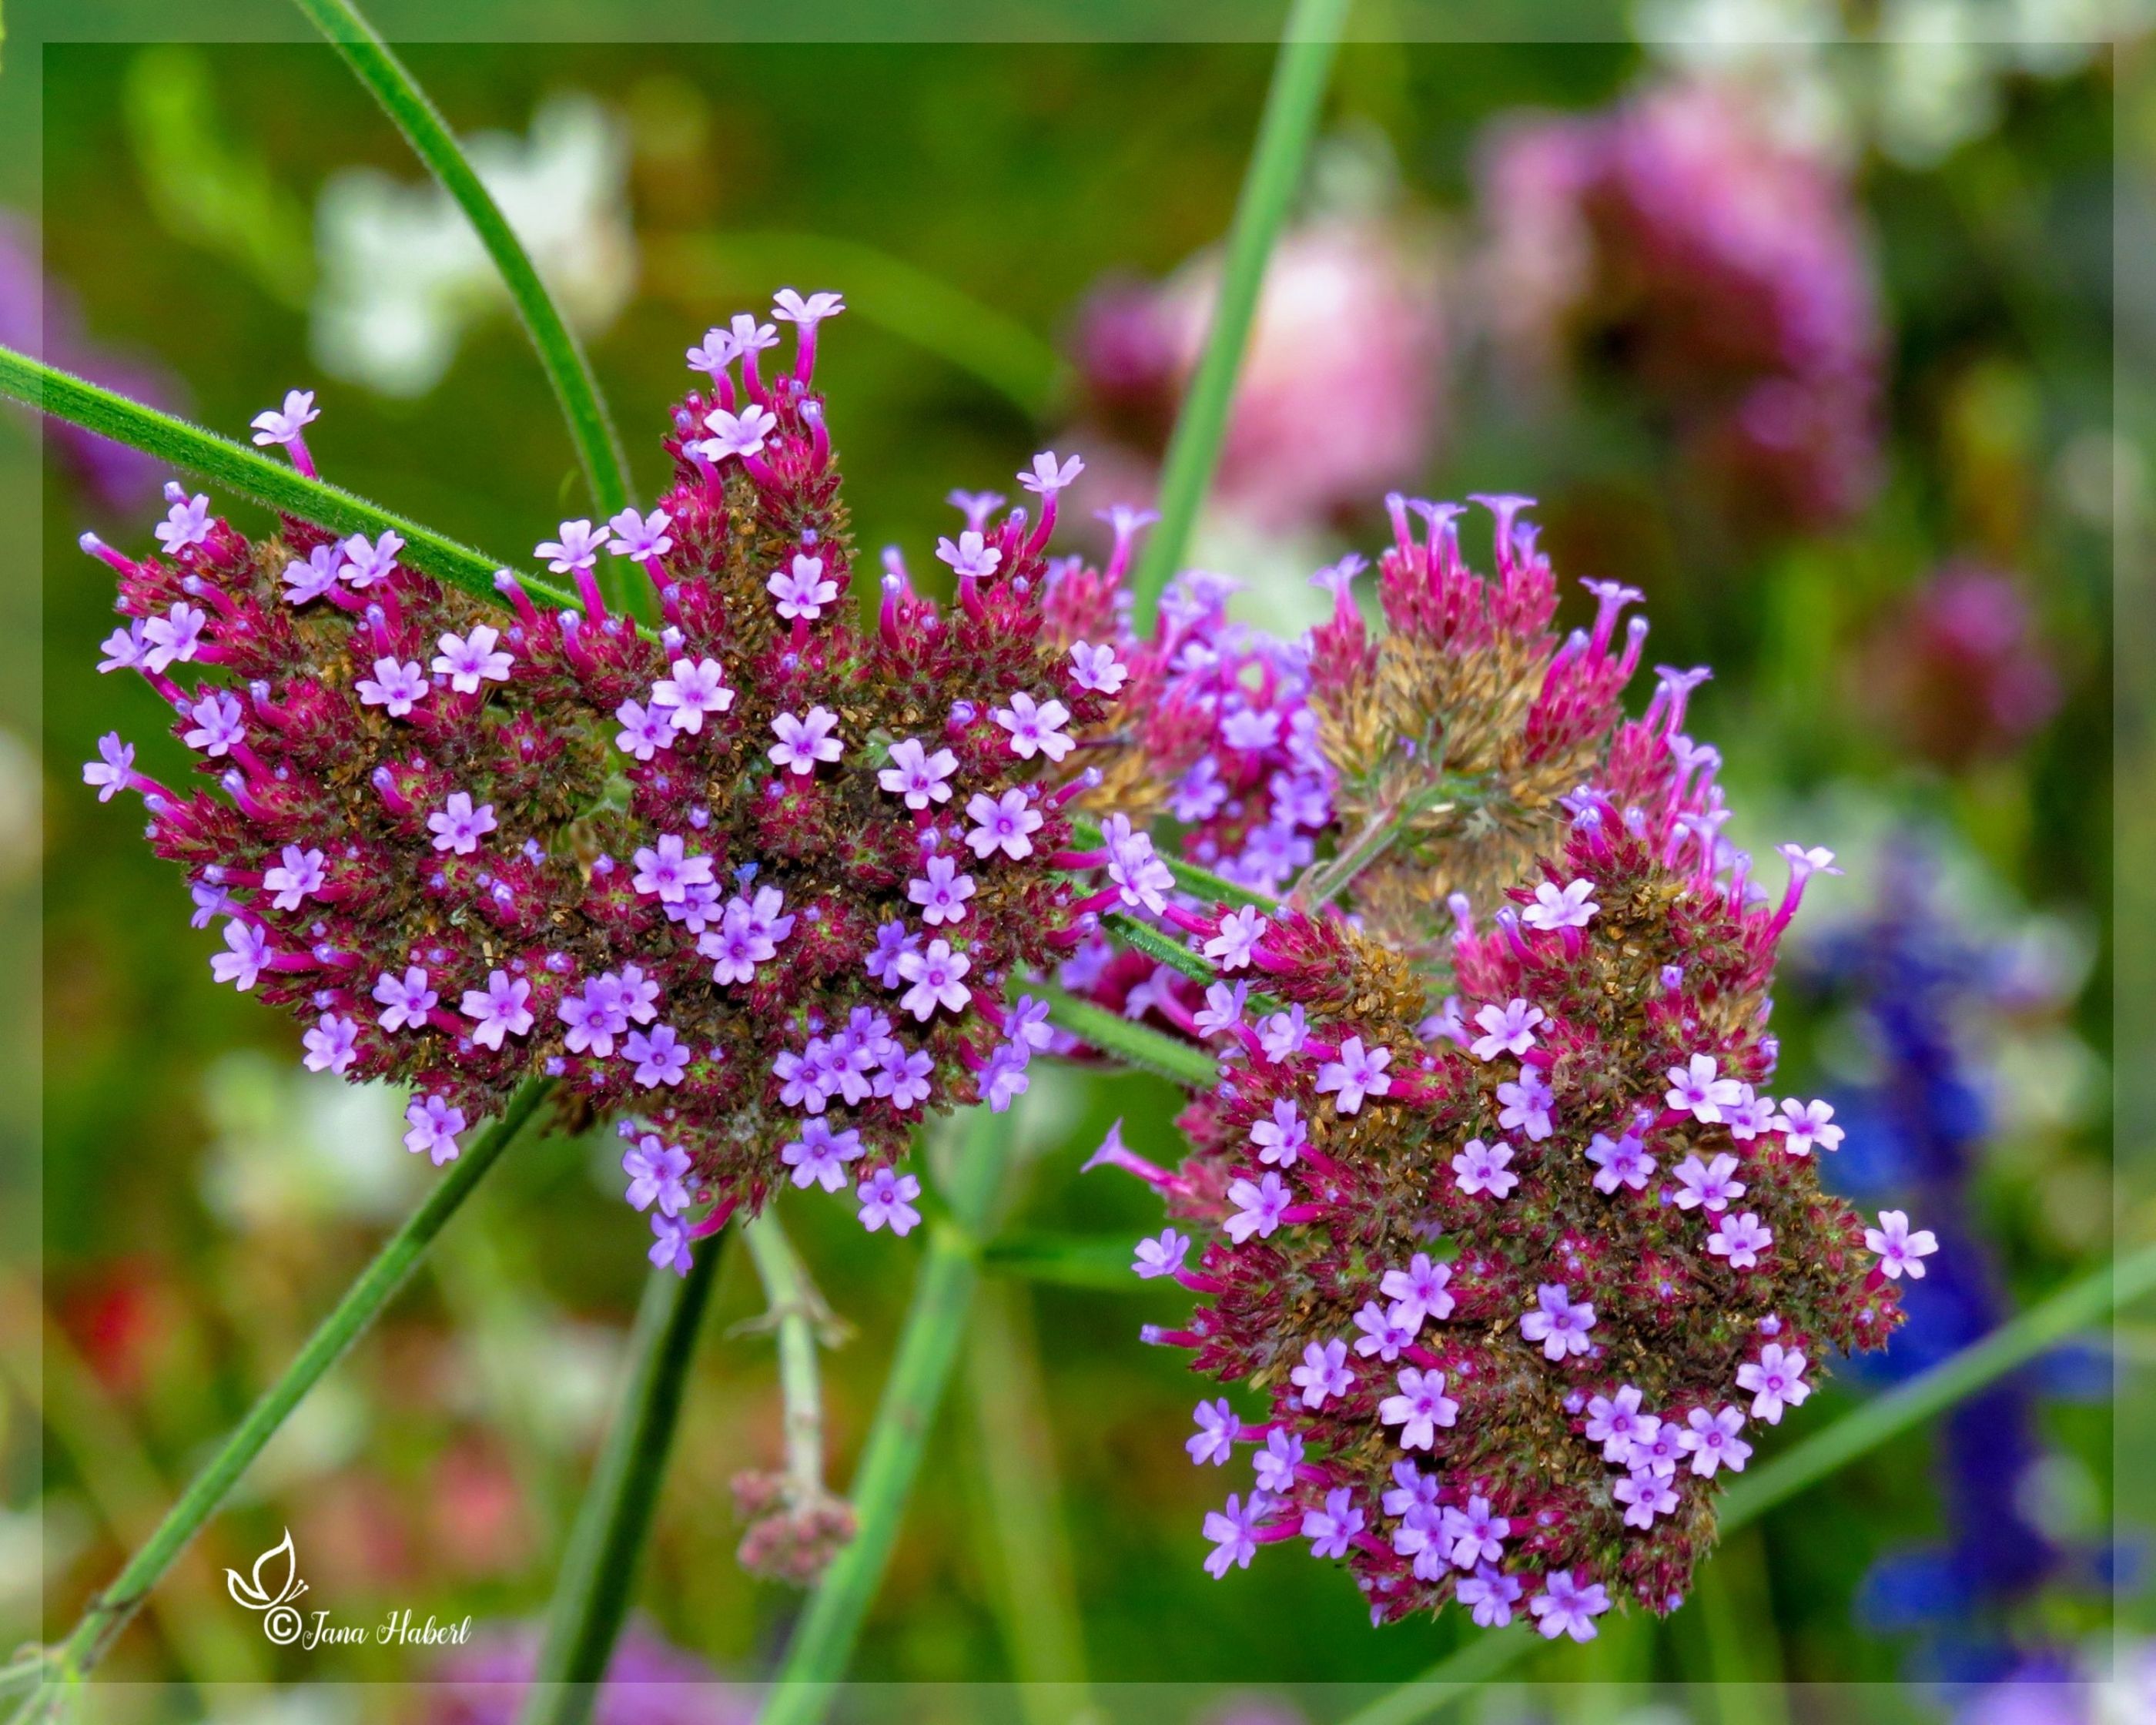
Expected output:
(100, 1625)
(253, 474)
(1285, 131)
(569, 371)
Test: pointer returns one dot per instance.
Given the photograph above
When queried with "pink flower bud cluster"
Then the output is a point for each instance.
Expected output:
(755, 880)
(1672, 247)
(1461, 727)
(1342, 382)
(1518, 1280)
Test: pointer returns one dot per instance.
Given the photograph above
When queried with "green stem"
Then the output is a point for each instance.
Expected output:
(1285, 131)
(1202, 883)
(1018, 1522)
(268, 481)
(1070, 1261)
(597, 1576)
(823, 1640)
(1328, 879)
(2013, 1344)
(1135, 1044)
(1143, 938)
(795, 1310)
(561, 355)
(362, 1301)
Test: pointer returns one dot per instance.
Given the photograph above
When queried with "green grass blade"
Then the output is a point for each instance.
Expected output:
(561, 355)
(240, 467)
(597, 1577)
(1285, 131)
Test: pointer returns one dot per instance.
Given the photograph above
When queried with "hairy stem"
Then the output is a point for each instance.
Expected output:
(597, 1576)
(1285, 131)
(247, 470)
(362, 1301)
(1134, 1044)
(561, 355)
(1903, 1409)
(1198, 882)
(822, 1642)
(797, 1313)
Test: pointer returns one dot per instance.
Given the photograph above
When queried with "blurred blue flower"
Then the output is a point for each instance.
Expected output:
(1923, 990)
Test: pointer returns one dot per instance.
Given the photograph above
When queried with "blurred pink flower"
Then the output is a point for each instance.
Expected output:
(1670, 246)
(1341, 389)
(1961, 667)
(648, 1682)
(39, 315)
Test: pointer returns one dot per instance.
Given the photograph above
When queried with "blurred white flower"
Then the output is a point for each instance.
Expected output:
(288, 1146)
(404, 275)
(1935, 81)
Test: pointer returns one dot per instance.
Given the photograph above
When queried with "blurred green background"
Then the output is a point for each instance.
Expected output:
(204, 1199)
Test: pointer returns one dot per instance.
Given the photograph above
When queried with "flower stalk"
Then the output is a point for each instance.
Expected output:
(561, 355)
(598, 1574)
(1285, 131)
(71, 1661)
(796, 1521)
(823, 1642)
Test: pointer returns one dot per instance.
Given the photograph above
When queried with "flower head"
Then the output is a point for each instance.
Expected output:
(1546, 1195)
(468, 840)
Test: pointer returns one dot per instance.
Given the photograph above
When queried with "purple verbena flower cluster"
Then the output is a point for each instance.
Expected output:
(756, 881)
(1519, 1276)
